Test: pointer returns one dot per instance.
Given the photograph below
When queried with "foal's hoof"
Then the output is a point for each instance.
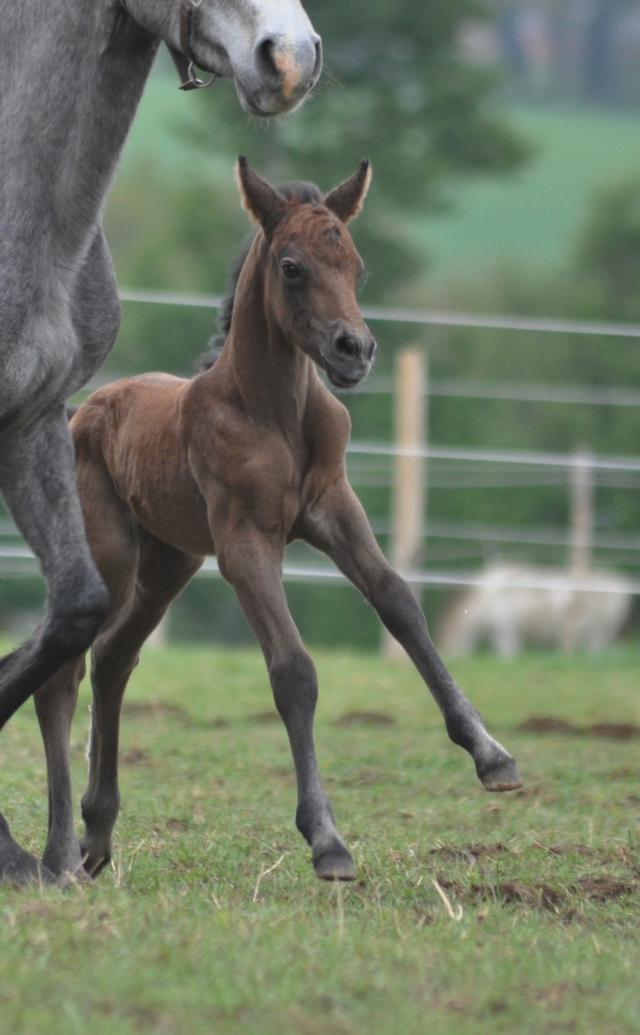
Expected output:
(503, 776)
(335, 864)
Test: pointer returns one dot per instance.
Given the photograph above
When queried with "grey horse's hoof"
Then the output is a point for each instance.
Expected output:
(335, 864)
(17, 866)
(502, 777)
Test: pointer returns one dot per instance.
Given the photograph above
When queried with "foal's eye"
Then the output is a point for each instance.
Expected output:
(290, 270)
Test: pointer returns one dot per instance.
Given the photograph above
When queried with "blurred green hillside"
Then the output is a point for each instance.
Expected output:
(531, 217)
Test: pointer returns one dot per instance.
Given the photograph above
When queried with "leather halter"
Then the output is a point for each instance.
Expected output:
(183, 59)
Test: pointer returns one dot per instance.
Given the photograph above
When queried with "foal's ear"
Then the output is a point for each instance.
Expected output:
(259, 199)
(347, 199)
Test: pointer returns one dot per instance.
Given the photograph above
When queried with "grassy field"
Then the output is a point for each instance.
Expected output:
(211, 921)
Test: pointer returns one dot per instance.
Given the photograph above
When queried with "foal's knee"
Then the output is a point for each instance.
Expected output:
(396, 605)
(295, 684)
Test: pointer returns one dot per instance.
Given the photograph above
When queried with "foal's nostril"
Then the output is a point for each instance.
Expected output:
(348, 346)
(371, 351)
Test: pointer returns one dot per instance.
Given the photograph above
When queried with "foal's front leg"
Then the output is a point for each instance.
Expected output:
(252, 563)
(338, 526)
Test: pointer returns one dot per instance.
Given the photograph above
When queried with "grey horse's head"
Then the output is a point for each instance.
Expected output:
(268, 47)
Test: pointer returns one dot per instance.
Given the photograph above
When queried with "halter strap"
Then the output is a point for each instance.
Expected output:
(183, 58)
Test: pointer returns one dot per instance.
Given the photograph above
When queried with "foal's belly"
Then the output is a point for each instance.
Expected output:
(166, 501)
(176, 518)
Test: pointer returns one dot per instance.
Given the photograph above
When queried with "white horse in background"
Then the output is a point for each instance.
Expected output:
(517, 605)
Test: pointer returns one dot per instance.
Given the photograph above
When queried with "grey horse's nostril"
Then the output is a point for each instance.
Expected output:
(265, 60)
(285, 68)
(317, 68)
(347, 345)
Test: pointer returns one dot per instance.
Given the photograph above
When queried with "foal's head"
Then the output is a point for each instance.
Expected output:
(312, 270)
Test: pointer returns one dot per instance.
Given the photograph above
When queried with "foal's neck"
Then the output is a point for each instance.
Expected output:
(272, 375)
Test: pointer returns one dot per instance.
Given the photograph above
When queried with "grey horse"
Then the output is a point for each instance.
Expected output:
(71, 76)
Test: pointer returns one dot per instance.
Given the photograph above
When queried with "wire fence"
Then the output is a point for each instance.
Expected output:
(371, 464)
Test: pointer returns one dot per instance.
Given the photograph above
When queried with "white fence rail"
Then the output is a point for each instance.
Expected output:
(429, 318)
(552, 468)
(327, 573)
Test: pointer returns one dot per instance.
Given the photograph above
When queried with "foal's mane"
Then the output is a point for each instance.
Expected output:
(298, 190)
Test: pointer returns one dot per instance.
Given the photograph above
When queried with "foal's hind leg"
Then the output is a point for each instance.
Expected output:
(162, 574)
(252, 563)
(339, 527)
(37, 480)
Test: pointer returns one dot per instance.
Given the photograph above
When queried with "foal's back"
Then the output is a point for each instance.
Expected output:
(181, 453)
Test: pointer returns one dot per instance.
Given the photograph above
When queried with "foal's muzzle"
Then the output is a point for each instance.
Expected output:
(349, 357)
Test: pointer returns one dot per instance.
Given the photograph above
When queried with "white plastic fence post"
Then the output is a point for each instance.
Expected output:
(410, 473)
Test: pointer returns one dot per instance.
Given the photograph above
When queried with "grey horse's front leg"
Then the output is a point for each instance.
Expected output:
(339, 527)
(252, 564)
(37, 480)
(55, 707)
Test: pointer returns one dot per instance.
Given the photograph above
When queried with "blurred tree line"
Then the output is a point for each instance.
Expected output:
(395, 88)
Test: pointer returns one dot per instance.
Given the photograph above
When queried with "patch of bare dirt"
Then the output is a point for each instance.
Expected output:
(470, 853)
(153, 707)
(177, 824)
(546, 724)
(623, 774)
(541, 895)
(531, 790)
(543, 724)
(604, 889)
(134, 756)
(366, 776)
(264, 718)
(613, 730)
(549, 995)
(364, 719)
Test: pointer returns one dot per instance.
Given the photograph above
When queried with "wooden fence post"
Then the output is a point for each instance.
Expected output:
(409, 496)
(160, 634)
(581, 508)
(580, 538)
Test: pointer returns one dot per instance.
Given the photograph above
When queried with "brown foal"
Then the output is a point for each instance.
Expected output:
(239, 461)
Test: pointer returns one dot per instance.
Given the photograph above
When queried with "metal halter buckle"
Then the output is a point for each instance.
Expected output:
(193, 83)
(183, 58)
(190, 81)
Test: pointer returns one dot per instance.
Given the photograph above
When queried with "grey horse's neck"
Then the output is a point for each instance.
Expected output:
(71, 76)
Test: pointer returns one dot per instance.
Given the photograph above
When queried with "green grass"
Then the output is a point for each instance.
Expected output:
(181, 936)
